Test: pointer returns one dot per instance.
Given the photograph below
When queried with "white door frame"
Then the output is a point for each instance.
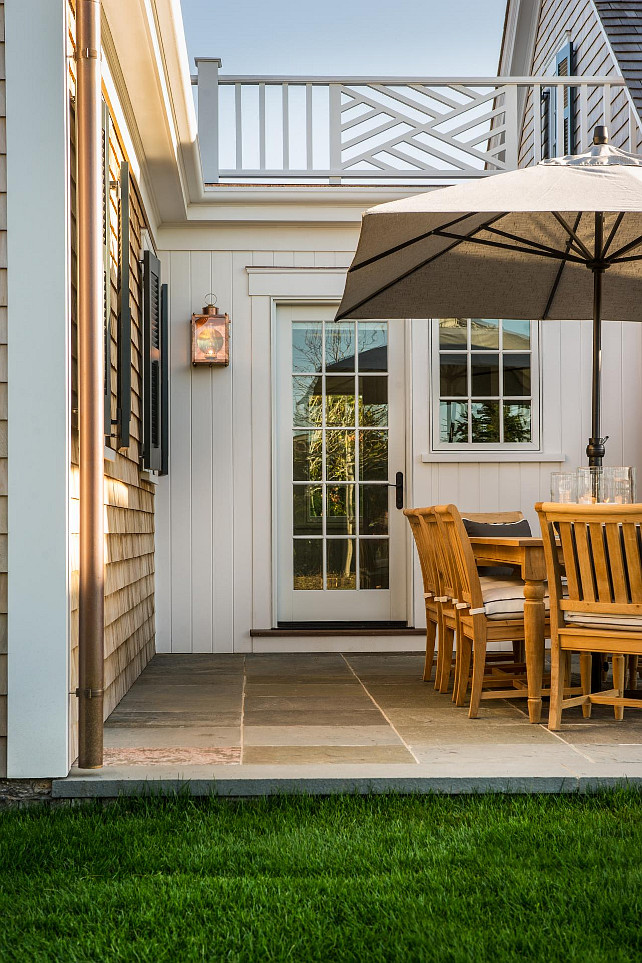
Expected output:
(402, 601)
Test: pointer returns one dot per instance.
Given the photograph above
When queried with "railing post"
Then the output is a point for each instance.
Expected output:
(511, 158)
(208, 68)
(335, 132)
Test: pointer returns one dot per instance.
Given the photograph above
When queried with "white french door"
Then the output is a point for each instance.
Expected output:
(341, 542)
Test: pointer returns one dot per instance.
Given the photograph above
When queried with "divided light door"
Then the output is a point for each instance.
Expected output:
(341, 552)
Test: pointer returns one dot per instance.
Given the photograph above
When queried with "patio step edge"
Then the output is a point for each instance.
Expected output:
(79, 787)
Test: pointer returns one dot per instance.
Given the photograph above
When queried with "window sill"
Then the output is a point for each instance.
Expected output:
(476, 457)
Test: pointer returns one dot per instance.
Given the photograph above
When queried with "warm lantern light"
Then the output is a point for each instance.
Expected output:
(210, 337)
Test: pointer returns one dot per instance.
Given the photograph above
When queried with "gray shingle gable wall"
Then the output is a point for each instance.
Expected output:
(622, 21)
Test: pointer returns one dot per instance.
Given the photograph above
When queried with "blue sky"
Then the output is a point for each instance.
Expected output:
(410, 37)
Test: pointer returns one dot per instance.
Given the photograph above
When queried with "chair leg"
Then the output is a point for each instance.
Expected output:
(446, 659)
(479, 666)
(618, 683)
(557, 686)
(586, 660)
(431, 638)
(465, 649)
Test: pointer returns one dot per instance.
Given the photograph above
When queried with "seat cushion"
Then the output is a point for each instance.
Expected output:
(504, 597)
(631, 622)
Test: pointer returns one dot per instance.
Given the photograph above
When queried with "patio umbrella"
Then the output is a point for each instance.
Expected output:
(559, 240)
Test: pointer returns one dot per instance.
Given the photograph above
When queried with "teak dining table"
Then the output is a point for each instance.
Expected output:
(528, 555)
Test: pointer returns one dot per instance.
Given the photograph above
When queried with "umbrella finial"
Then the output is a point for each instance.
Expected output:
(601, 135)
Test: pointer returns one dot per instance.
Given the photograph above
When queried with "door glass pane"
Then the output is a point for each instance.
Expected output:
(340, 509)
(307, 398)
(373, 345)
(307, 510)
(307, 346)
(339, 457)
(484, 374)
(373, 400)
(517, 423)
(373, 455)
(373, 563)
(517, 374)
(340, 348)
(342, 563)
(307, 456)
(484, 334)
(453, 422)
(307, 556)
(453, 375)
(339, 400)
(373, 509)
(485, 421)
(517, 335)
(453, 334)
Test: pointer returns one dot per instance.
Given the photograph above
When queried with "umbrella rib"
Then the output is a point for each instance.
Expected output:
(618, 221)
(557, 255)
(526, 240)
(418, 267)
(573, 235)
(624, 260)
(560, 270)
(624, 250)
(405, 244)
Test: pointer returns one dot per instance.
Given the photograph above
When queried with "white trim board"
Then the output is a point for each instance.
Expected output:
(292, 282)
(477, 457)
(39, 390)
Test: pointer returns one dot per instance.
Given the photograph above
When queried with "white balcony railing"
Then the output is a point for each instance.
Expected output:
(381, 130)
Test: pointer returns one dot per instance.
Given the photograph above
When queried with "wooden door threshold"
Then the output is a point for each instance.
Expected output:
(332, 633)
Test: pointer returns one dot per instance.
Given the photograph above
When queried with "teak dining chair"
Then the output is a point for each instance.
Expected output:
(423, 526)
(599, 609)
(487, 610)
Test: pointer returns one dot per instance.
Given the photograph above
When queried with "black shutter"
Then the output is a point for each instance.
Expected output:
(106, 271)
(152, 362)
(164, 381)
(124, 388)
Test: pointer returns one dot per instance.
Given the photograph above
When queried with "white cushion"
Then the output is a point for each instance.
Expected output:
(504, 597)
(630, 622)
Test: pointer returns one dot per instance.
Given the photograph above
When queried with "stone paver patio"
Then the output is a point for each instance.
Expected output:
(322, 722)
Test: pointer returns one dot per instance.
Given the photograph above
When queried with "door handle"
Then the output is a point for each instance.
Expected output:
(398, 487)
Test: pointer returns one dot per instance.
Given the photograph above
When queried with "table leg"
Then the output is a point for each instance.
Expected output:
(534, 622)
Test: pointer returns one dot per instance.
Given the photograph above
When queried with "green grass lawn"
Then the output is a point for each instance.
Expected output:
(344, 878)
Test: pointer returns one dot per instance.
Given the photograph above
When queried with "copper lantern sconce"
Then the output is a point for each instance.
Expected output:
(210, 336)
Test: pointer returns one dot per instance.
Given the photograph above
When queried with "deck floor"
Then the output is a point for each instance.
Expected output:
(348, 721)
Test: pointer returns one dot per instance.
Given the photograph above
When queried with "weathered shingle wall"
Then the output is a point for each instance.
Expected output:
(622, 20)
(577, 19)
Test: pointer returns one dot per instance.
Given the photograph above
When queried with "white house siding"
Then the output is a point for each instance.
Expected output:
(578, 19)
(3, 410)
(214, 511)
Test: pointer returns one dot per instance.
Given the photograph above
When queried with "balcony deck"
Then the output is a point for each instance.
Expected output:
(255, 724)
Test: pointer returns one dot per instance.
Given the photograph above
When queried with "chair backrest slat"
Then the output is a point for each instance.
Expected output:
(570, 560)
(585, 562)
(461, 552)
(632, 538)
(600, 563)
(425, 550)
(618, 573)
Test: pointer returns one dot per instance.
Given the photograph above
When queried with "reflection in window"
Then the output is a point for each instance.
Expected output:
(484, 373)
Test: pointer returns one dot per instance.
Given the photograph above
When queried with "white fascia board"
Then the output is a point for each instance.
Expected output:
(39, 394)
(139, 50)
(518, 44)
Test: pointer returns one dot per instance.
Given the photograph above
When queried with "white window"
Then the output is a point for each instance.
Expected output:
(485, 384)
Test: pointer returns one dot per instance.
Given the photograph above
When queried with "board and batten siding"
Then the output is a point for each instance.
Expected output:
(129, 493)
(3, 408)
(578, 20)
(214, 510)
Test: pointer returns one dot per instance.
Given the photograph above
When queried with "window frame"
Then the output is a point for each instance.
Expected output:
(437, 445)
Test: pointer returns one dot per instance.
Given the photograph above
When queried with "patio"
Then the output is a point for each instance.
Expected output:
(244, 725)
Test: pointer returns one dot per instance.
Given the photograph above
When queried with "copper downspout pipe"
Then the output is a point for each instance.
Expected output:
(90, 383)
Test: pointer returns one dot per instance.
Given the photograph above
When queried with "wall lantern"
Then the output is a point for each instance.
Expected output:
(210, 336)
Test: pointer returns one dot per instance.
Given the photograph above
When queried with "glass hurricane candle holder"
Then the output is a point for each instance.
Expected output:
(563, 486)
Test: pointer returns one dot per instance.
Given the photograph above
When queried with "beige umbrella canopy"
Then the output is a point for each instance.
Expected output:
(514, 245)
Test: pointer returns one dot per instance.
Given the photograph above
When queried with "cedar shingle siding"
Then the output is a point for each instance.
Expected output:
(622, 20)
(129, 497)
(579, 18)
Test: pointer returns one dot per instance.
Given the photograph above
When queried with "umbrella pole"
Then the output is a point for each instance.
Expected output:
(595, 448)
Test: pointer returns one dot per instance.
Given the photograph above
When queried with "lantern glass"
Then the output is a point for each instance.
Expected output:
(210, 339)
